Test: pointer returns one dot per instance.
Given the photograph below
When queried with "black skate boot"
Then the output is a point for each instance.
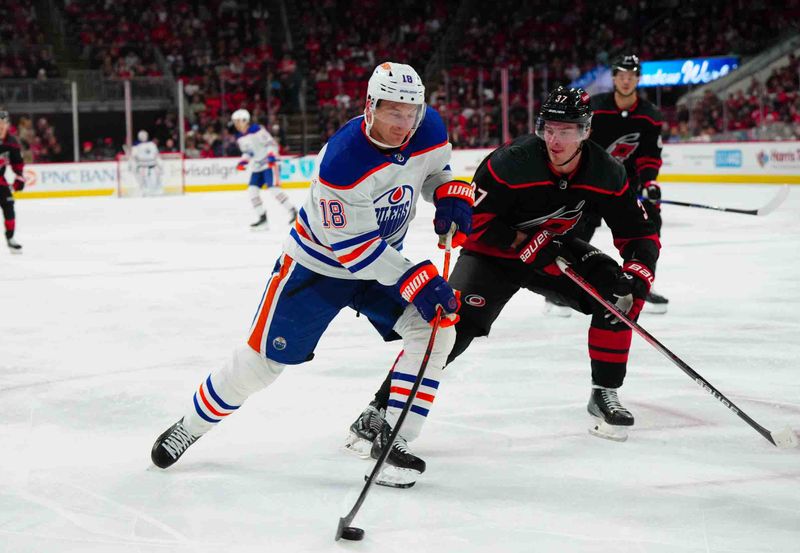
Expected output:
(364, 431)
(611, 416)
(655, 303)
(401, 468)
(261, 224)
(171, 445)
(13, 246)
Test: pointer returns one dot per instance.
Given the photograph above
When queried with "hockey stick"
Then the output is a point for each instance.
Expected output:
(768, 208)
(344, 529)
(784, 439)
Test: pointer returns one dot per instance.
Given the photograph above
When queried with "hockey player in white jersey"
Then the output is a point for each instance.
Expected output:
(260, 152)
(345, 251)
(146, 165)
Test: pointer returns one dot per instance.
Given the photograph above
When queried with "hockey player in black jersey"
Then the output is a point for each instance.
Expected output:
(530, 197)
(629, 128)
(10, 156)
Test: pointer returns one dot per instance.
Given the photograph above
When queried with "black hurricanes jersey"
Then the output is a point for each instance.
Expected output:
(632, 136)
(515, 189)
(9, 157)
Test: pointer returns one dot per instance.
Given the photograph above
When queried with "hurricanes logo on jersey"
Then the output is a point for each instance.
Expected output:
(624, 146)
(392, 209)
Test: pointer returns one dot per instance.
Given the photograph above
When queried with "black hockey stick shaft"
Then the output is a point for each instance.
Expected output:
(702, 382)
(348, 519)
(783, 192)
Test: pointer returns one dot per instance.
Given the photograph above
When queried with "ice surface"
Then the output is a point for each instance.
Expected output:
(118, 308)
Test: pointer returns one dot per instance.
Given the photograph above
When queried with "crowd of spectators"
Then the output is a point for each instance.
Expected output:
(232, 54)
(774, 101)
(37, 139)
(24, 51)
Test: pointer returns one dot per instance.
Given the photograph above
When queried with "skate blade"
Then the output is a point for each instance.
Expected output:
(602, 429)
(259, 228)
(358, 446)
(655, 308)
(394, 477)
(15, 252)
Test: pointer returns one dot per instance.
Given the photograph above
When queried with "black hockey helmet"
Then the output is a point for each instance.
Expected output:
(566, 105)
(626, 62)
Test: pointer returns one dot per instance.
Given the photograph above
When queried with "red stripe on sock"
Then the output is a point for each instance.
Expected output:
(208, 404)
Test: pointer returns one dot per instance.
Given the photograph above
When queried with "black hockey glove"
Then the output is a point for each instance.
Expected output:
(651, 191)
(19, 183)
(630, 289)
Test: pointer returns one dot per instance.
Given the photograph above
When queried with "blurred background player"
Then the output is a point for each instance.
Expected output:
(345, 251)
(629, 128)
(260, 151)
(146, 165)
(9, 157)
(531, 195)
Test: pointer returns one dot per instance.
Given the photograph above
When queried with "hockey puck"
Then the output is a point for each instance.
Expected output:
(352, 533)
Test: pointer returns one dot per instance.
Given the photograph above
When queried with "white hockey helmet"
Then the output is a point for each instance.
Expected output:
(142, 136)
(396, 82)
(241, 115)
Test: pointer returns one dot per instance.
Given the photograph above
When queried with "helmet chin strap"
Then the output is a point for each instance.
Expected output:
(577, 151)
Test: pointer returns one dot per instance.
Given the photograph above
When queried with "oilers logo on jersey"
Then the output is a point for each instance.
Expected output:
(393, 209)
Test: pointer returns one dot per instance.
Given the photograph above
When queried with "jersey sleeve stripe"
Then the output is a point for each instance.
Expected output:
(304, 217)
(372, 257)
(356, 253)
(355, 240)
(600, 190)
(313, 253)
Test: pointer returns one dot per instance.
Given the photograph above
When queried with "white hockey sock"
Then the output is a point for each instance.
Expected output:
(224, 390)
(255, 199)
(416, 332)
(281, 196)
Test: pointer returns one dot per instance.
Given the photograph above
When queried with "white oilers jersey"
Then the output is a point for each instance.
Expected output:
(362, 200)
(144, 154)
(259, 147)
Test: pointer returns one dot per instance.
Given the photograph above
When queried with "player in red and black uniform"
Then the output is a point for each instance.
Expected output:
(530, 196)
(629, 128)
(10, 156)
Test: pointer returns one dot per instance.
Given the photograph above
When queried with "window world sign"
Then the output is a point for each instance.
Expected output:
(686, 72)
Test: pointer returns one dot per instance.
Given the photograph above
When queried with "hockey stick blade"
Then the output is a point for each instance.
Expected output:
(785, 439)
(772, 205)
(782, 439)
(780, 197)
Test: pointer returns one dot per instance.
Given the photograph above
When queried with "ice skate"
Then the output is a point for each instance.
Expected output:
(14, 246)
(292, 215)
(655, 303)
(261, 224)
(364, 431)
(171, 445)
(401, 468)
(611, 417)
(553, 308)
